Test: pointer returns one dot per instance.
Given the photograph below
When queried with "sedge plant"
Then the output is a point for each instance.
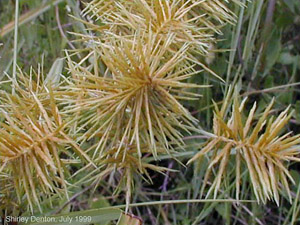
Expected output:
(192, 22)
(260, 147)
(137, 100)
(134, 108)
(124, 101)
(33, 141)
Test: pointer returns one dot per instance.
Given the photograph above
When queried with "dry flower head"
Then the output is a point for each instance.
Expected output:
(136, 101)
(260, 147)
(32, 138)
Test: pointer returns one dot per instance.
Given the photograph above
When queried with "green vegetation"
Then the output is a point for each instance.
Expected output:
(113, 114)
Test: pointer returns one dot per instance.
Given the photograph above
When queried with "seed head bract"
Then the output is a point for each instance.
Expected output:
(137, 100)
(259, 146)
(32, 140)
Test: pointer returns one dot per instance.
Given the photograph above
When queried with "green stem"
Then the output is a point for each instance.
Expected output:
(15, 44)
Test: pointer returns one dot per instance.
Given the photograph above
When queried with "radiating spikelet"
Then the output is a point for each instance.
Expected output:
(32, 138)
(29, 147)
(125, 166)
(190, 21)
(260, 147)
(124, 18)
(136, 101)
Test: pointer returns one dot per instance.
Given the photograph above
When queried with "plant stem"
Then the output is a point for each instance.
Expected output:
(15, 44)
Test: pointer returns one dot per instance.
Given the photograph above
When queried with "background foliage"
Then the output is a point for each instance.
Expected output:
(266, 63)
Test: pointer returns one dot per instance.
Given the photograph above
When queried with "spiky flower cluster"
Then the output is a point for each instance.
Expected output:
(260, 147)
(126, 93)
(146, 48)
(32, 139)
(190, 21)
(125, 97)
(137, 101)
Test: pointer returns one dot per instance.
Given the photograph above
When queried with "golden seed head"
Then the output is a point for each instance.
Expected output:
(190, 22)
(137, 100)
(260, 147)
(32, 140)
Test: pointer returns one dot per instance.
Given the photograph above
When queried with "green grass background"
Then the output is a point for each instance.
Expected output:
(262, 59)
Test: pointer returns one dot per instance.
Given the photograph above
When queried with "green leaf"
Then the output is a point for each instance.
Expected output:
(269, 82)
(273, 50)
(296, 176)
(100, 203)
(286, 58)
(221, 209)
(290, 4)
(53, 76)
